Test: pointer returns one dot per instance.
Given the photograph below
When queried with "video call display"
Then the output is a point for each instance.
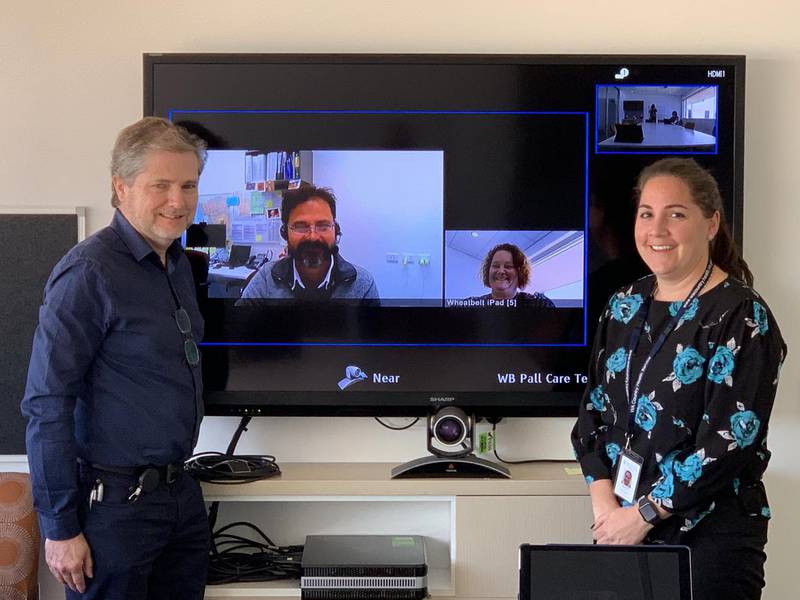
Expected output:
(654, 119)
(433, 231)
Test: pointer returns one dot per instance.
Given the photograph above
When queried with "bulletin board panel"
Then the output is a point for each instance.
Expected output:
(31, 243)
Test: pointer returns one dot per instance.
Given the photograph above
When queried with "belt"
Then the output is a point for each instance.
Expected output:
(163, 473)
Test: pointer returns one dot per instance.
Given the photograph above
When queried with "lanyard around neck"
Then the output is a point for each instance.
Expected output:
(633, 395)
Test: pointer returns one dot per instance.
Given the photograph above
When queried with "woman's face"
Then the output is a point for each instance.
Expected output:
(672, 234)
(503, 275)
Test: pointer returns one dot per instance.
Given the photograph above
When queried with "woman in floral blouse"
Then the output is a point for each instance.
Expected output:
(682, 380)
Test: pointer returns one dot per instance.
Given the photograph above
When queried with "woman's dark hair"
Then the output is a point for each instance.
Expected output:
(705, 193)
(521, 264)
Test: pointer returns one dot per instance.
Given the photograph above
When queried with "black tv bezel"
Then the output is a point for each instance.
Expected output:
(505, 404)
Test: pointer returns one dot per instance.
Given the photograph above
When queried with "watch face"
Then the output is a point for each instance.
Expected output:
(648, 511)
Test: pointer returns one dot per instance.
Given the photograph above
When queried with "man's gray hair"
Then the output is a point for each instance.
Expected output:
(136, 142)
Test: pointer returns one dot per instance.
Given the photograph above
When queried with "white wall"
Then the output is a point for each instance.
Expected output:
(223, 172)
(71, 77)
(665, 103)
(563, 271)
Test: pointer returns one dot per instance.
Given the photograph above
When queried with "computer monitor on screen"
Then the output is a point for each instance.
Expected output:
(239, 255)
(203, 235)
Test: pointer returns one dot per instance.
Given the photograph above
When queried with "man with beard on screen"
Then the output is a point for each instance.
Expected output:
(313, 270)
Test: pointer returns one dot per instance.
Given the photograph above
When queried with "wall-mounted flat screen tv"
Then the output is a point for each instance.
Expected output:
(370, 194)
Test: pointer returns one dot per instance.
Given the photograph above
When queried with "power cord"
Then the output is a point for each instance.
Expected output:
(230, 469)
(401, 428)
(234, 557)
(519, 462)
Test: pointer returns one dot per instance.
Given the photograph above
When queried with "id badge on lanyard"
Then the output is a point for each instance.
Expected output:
(629, 471)
(629, 465)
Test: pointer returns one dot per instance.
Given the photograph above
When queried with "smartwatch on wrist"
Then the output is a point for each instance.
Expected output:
(648, 510)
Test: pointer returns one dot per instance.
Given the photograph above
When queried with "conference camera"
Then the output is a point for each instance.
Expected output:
(448, 432)
(451, 440)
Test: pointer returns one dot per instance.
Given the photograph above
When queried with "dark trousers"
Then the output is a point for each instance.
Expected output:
(153, 549)
(728, 554)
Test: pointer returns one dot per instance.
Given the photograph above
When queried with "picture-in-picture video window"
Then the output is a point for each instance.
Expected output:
(515, 269)
(675, 119)
(383, 246)
(346, 245)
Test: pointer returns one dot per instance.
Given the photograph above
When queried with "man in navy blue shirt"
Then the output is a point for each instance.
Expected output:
(114, 391)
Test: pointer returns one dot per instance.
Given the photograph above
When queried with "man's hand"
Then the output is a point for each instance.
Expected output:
(69, 560)
(620, 526)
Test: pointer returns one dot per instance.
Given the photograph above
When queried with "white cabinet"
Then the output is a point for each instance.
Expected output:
(473, 527)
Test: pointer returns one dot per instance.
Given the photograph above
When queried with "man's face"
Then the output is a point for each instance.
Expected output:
(312, 248)
(161, 201)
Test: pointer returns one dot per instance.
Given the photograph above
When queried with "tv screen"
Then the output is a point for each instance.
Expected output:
(427, 230)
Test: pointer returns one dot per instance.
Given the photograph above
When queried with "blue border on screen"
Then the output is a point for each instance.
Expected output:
(391, 345)
(597, 150)
(172, 112)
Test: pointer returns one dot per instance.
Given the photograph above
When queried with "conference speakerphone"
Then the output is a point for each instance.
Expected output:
(364, 567)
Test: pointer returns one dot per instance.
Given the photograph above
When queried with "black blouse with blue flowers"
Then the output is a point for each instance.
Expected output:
(704, 403)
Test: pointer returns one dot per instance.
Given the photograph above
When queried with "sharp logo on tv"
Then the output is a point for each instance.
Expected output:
(442, 399)
(352, 375)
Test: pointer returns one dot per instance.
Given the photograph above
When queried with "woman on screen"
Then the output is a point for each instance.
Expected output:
(674, 119)
(506, 270)
(682, 381)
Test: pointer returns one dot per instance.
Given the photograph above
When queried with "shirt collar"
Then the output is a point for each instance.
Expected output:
(325, 282)
(137, 245)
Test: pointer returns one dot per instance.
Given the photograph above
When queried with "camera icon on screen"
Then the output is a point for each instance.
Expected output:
(352, 374)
